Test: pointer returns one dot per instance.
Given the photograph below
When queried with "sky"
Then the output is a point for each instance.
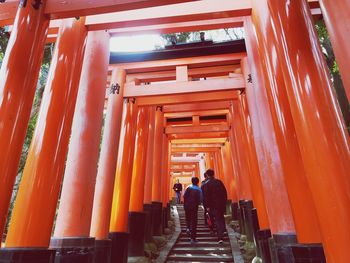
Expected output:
(150, 42)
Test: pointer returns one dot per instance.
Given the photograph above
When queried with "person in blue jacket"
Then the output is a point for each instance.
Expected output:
(192, 199)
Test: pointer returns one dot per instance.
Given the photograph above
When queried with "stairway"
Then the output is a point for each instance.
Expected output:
(206, 250)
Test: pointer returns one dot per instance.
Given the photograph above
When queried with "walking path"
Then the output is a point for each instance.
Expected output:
(206, 250)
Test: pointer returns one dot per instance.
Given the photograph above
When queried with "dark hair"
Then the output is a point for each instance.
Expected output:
(210, 173)
(195, 180)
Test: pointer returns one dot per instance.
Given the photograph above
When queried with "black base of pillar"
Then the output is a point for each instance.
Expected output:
(165, 217)
(74, 249)
(103, 251)
(136, 234)
(148, 210)
(262, 239)
(308, 253)
(279, 247)
(158, 219)
(301, 253)
(234, 211)
(27, 255)
(168, 207)
(246, 210)
(119, 250)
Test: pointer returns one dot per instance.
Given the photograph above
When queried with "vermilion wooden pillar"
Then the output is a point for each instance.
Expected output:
(103, 196)
(245, 189)
(234, 157)
(255, 179)
(137, 219)
(213, 164)
(221, 167)
(18, 80)
(156, 178)
(165, 181)
(122, 186)
(270, 166)
(35, 206)
(325, 146)
(207, 161)
(140, 158)
(149, 160)
(74, 215)
(336, 16)
(157, 156)
(165, 171)
(148, 207)
(231, 184)
(302, 204)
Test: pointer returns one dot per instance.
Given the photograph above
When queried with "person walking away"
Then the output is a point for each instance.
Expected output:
(205, 209)
(192, 199)
(215, 199)
(178, 190)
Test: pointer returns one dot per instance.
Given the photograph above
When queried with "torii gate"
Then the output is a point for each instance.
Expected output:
(290, 144)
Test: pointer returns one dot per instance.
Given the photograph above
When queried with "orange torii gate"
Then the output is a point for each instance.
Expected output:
(285, 137)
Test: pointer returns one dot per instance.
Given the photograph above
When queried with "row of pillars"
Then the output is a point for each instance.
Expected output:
(292, 148)
(97, 208)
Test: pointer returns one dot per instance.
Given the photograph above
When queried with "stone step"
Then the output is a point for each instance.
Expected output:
(202, 250)
(198, 231)
(195, 261)
(205, 250)
(202, 239)
(200, 234)
(187, 244)
(201, 258)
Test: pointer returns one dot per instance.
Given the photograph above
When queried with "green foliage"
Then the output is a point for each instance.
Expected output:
(334, 70)
(3, 42)
(180, 37)
(327, 46)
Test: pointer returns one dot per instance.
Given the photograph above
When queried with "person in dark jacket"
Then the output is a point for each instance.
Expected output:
(215, 199)
(205, 209)
(178, 190)
(192, 199)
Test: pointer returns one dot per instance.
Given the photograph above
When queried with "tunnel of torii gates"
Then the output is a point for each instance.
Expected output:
(261, 112)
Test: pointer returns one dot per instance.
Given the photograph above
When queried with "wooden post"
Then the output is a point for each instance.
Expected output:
(74, 215)
(318, 123)
(122, 185)
(35, 206)
(18, 81)
(302, 204)
(269, 160)
(103, 196)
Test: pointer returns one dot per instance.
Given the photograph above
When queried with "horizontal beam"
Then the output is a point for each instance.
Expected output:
(58, 9)
(205, 106)
(184, 98)
(198, 141)
(196, 113)
(181, 163)
(189, 145)
(192, 72)
(195, 150)
(198, 135)
(171, 64)
(197, 10)
(196, 129)
(144, 13)
(189, 26)
(236, 83)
